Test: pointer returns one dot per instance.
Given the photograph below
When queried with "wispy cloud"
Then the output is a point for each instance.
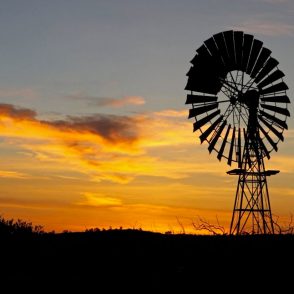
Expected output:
(12, 174)
(18, 93)
(98, 200)
(275, 1)
(127, 100)
(108, 101)
(265, 27)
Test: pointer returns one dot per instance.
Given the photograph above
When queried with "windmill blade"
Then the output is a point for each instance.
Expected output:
(271, 128)
(270, 140)
(199, 58)
(194, 60)
(199, 123)
(229, 39)
(263, 147)
(202, 51)
(191, 99)
(190, 72)
(212, 127)
(231, 147)
(203, 82)
(205, 75)
(263, 56)
(275, 88)
(277, 109)
(239, 149)
(221, 45)
(211, 46)
(277, 99)
(221, 151)
(271, 78)
(238, 38)
(256, 46)
(274, 119)
(247, 44)
(199, 110)
(268, 67)
(217, 135)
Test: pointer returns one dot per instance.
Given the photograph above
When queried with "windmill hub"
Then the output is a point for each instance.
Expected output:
(250, 98)
(233, 100)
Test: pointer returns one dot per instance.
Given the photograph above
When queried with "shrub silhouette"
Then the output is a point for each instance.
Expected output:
(19, 227)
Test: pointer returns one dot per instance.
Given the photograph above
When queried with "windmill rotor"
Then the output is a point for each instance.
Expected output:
(230, 72)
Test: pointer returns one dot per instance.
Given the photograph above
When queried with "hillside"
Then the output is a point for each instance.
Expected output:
(143, 261)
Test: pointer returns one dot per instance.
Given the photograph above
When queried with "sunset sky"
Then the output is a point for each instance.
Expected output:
(93, 121)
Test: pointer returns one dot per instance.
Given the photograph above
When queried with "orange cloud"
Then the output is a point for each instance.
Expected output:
(111, 147)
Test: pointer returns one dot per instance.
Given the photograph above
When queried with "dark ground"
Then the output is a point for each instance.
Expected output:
(131, 261)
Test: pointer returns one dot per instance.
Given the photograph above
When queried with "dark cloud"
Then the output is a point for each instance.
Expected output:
(110, 127)
(103, 101)
(113, 128)
(17, 112)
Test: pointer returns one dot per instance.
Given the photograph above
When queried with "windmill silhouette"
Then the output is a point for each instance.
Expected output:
(239, 102)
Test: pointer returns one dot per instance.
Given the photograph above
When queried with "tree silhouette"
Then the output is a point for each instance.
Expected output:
(12, 227)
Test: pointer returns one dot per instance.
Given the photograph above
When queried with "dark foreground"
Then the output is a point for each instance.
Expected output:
(124, 261)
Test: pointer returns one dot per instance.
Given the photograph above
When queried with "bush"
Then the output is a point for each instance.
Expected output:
(12, 227)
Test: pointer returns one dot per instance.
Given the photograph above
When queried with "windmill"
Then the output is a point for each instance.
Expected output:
(239, 102)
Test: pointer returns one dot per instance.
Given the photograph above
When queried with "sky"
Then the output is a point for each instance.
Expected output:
(94, 130)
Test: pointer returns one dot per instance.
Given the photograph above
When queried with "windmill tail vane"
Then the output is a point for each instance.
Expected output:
(239, 103)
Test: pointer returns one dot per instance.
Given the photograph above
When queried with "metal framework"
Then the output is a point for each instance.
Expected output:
(252, 210)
